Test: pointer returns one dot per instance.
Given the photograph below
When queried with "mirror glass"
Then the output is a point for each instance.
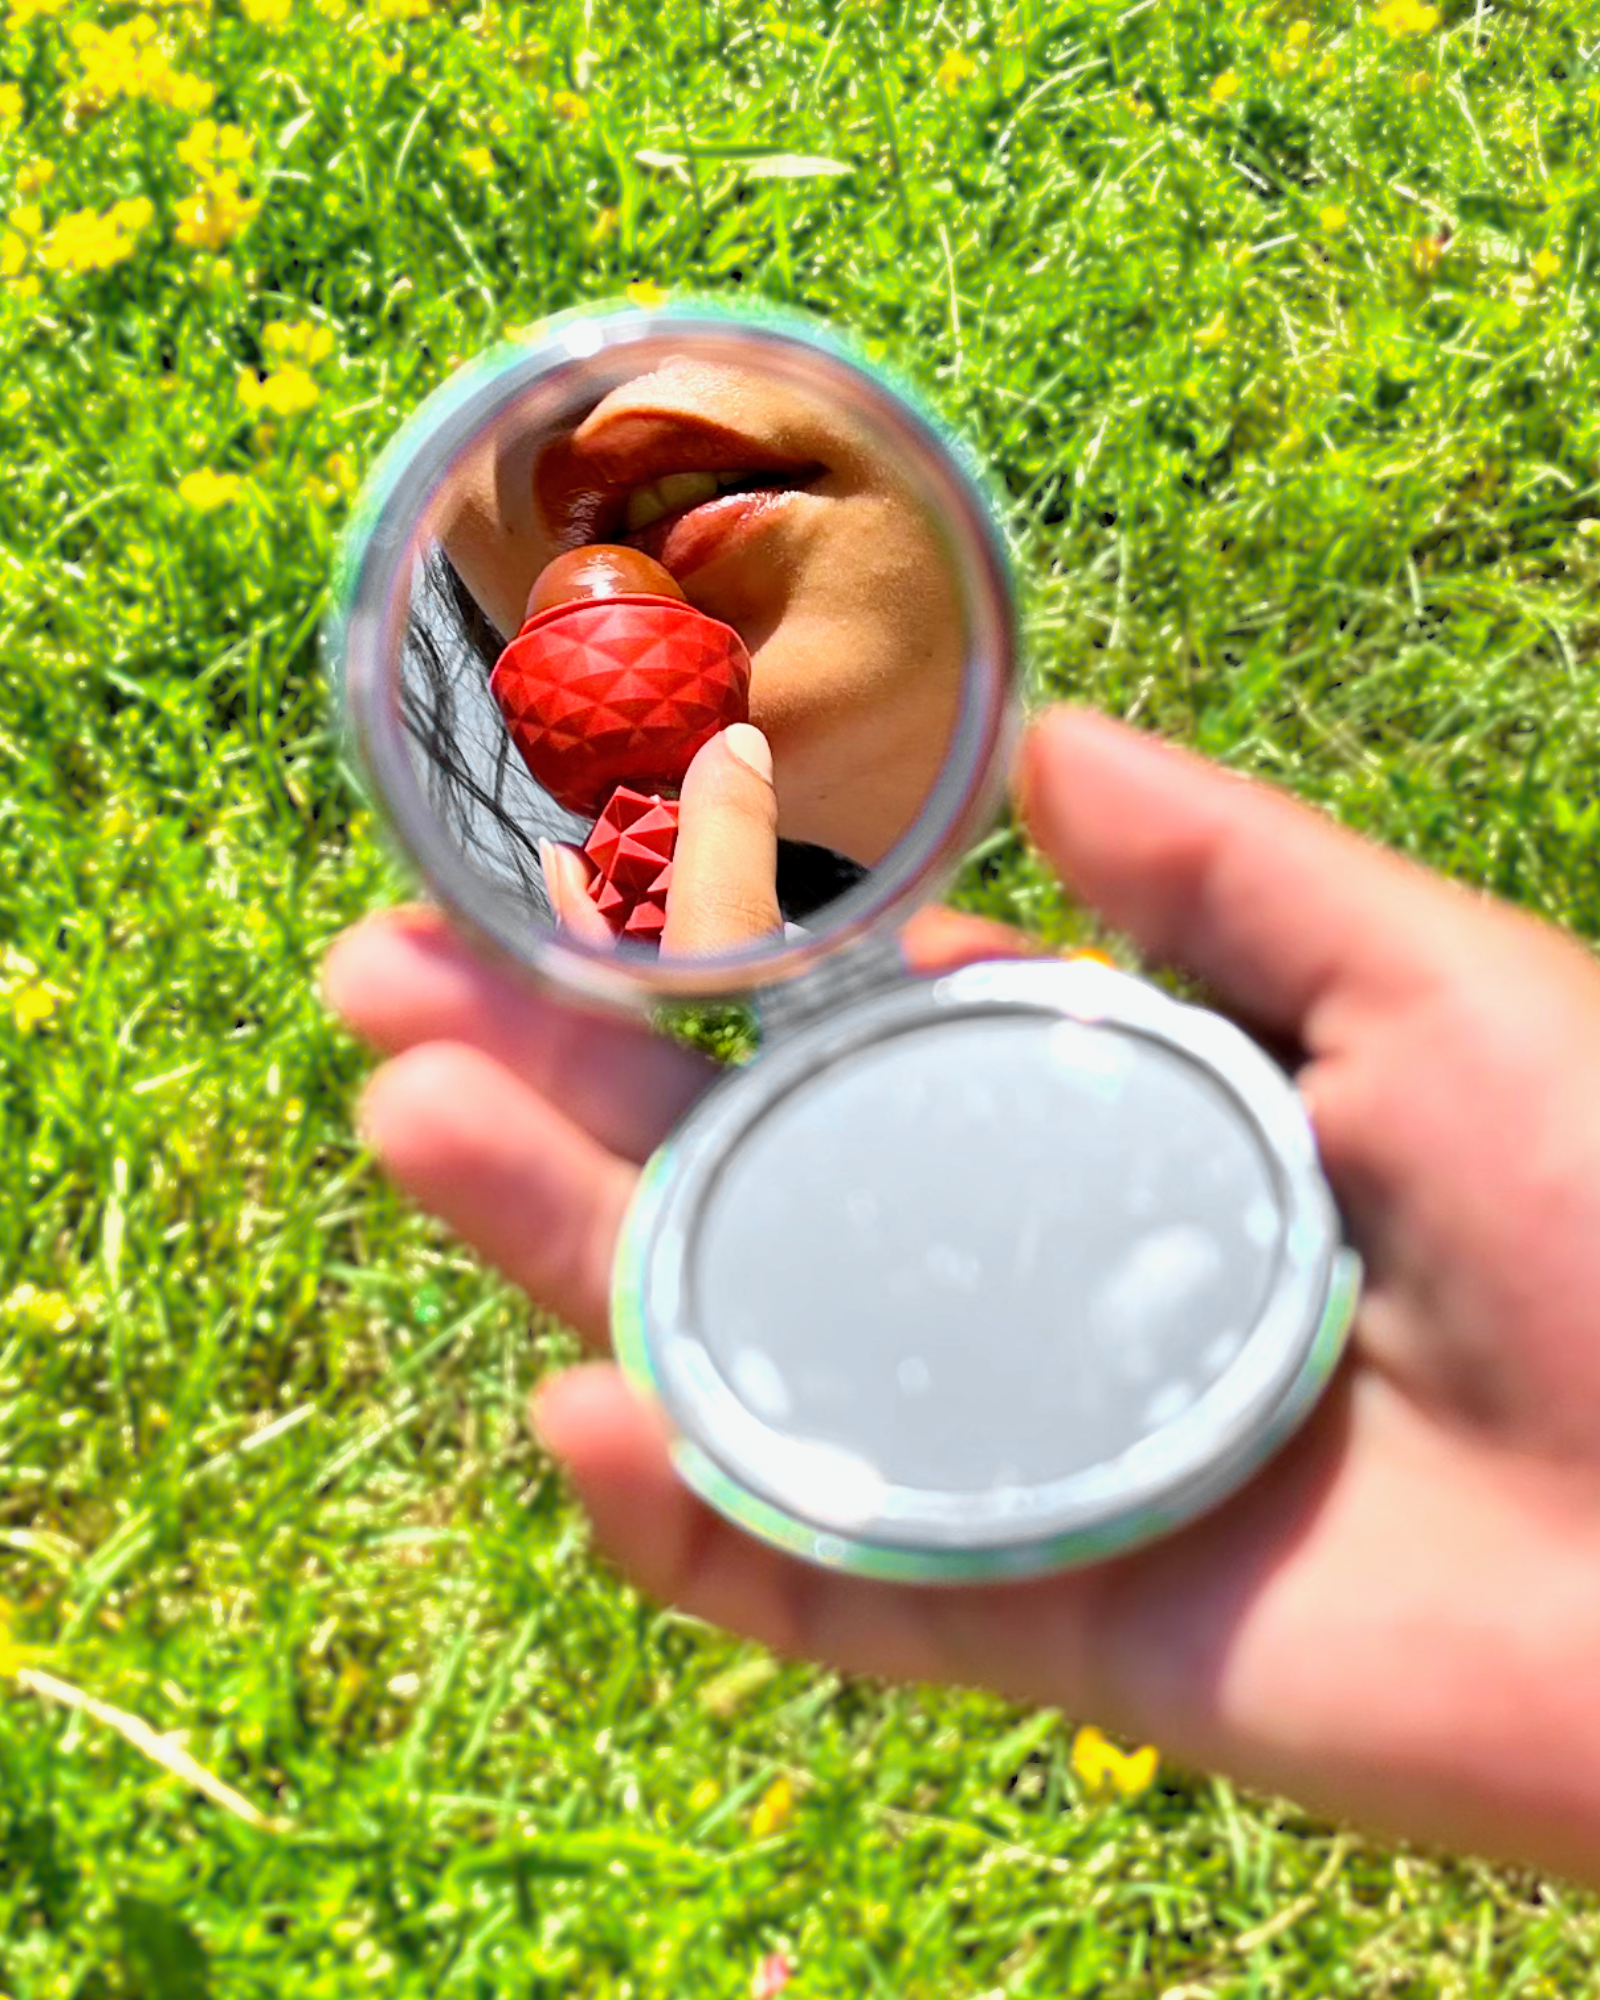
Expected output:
(677, 641)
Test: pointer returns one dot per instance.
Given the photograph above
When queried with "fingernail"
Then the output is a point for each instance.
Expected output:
(746, 742)
(547, 858)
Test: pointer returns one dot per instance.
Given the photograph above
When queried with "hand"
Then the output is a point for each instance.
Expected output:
(1399, 1620)
(724, 869)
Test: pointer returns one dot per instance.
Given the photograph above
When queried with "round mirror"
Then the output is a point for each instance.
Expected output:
(678, 648)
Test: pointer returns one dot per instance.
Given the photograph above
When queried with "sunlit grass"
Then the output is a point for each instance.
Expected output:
(1277, 328)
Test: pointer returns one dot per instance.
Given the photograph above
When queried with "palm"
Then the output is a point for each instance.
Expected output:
(1355, 1626)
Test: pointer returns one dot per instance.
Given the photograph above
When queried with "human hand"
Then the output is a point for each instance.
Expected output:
(1399, 1619)
(724, 868)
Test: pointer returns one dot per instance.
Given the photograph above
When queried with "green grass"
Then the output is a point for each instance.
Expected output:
(1313, 491)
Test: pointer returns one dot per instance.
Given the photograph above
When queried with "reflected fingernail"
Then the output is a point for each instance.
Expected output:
(744, 741)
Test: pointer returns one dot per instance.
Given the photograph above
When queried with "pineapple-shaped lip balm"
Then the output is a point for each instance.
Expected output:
(612, 685)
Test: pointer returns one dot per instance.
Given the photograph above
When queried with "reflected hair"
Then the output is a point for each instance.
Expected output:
(484, 795)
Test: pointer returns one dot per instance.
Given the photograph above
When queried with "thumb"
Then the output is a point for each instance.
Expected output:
(724, 890)
(1296, 923)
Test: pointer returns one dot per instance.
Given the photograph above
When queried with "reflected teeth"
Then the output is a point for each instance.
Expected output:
(667, 495)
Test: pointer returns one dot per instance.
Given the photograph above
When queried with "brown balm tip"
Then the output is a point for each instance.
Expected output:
(600, 569)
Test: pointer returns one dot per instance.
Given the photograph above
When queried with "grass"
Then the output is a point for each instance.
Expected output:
(1278, 329)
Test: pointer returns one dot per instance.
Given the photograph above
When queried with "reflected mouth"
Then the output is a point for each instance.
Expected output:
(675, 486)
(687, 519)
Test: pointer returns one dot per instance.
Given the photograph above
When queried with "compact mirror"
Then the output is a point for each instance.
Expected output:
(679, 652)
(603, 577)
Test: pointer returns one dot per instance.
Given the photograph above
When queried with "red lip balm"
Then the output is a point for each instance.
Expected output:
(612, 685)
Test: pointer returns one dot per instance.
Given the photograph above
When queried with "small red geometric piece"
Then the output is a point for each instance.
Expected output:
(609, 691)
(631, 848)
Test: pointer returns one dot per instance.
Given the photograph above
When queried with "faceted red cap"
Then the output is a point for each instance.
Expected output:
(605, 691)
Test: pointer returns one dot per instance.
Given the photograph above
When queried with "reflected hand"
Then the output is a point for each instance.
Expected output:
(1400, 1618)
(725, 867)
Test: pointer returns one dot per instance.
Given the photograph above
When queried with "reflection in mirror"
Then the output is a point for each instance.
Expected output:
(621, 623)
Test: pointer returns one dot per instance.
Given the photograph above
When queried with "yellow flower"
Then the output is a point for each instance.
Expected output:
(88, 241)
(10, 104)
(479, 160)
(286, 392)
(33, 175)
(643, 293)
(128, 61)
(215, 213)
(568, 105)
(1137, 106)
(1406, 17)
(21, 12)
(1545, 266)
(133, 215)
(1297, 34)
(1214, 334)
(13, 253)
(33, 1002)
(1225, 86)
(51, 1312)
(1332, 218)
(296, 340)
(1104, 1770)
(28, 287)
(265, 13)
(400, 10)
(205, 490)
(773, 1809)
(955, 69)
(28, 220)
(208, 146)
(705, 1795)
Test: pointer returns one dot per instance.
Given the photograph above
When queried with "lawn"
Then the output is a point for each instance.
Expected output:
(1276, 325)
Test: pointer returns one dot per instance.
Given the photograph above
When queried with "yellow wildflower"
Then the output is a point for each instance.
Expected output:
(400, 10)
(207, 146)
(51, 1312)
(265, 13)
(1137, 106)
(1283, 61)
(89, 241)
(643, 293)
(296, 340)
(956, 69)
(21, 12)
(13, 253)
(1214, 334)
(568, 105)
(479, 160)
(33, 175)
(773, 1809)
(286, 392)
(388, 60)
(27, 219)
(215, 213)
(1224, 86)
(705, 1795)
(332, 10)
(1332, 218)
(205, 490)
(1406, 17)
(1104, 1770)
(28, 287)
(33, 1004)
(1545, 266)
(10, 104)
(1297, 34)
(129, 61)
(133, 215)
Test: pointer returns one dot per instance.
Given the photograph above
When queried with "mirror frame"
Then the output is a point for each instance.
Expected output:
(364, 636)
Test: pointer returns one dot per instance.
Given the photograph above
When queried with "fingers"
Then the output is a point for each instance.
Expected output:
(724, 890)
(403, 978)
(542, 1200)
(1294, 921)
(568, 872)
(938, 940)
(1035, 1637)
